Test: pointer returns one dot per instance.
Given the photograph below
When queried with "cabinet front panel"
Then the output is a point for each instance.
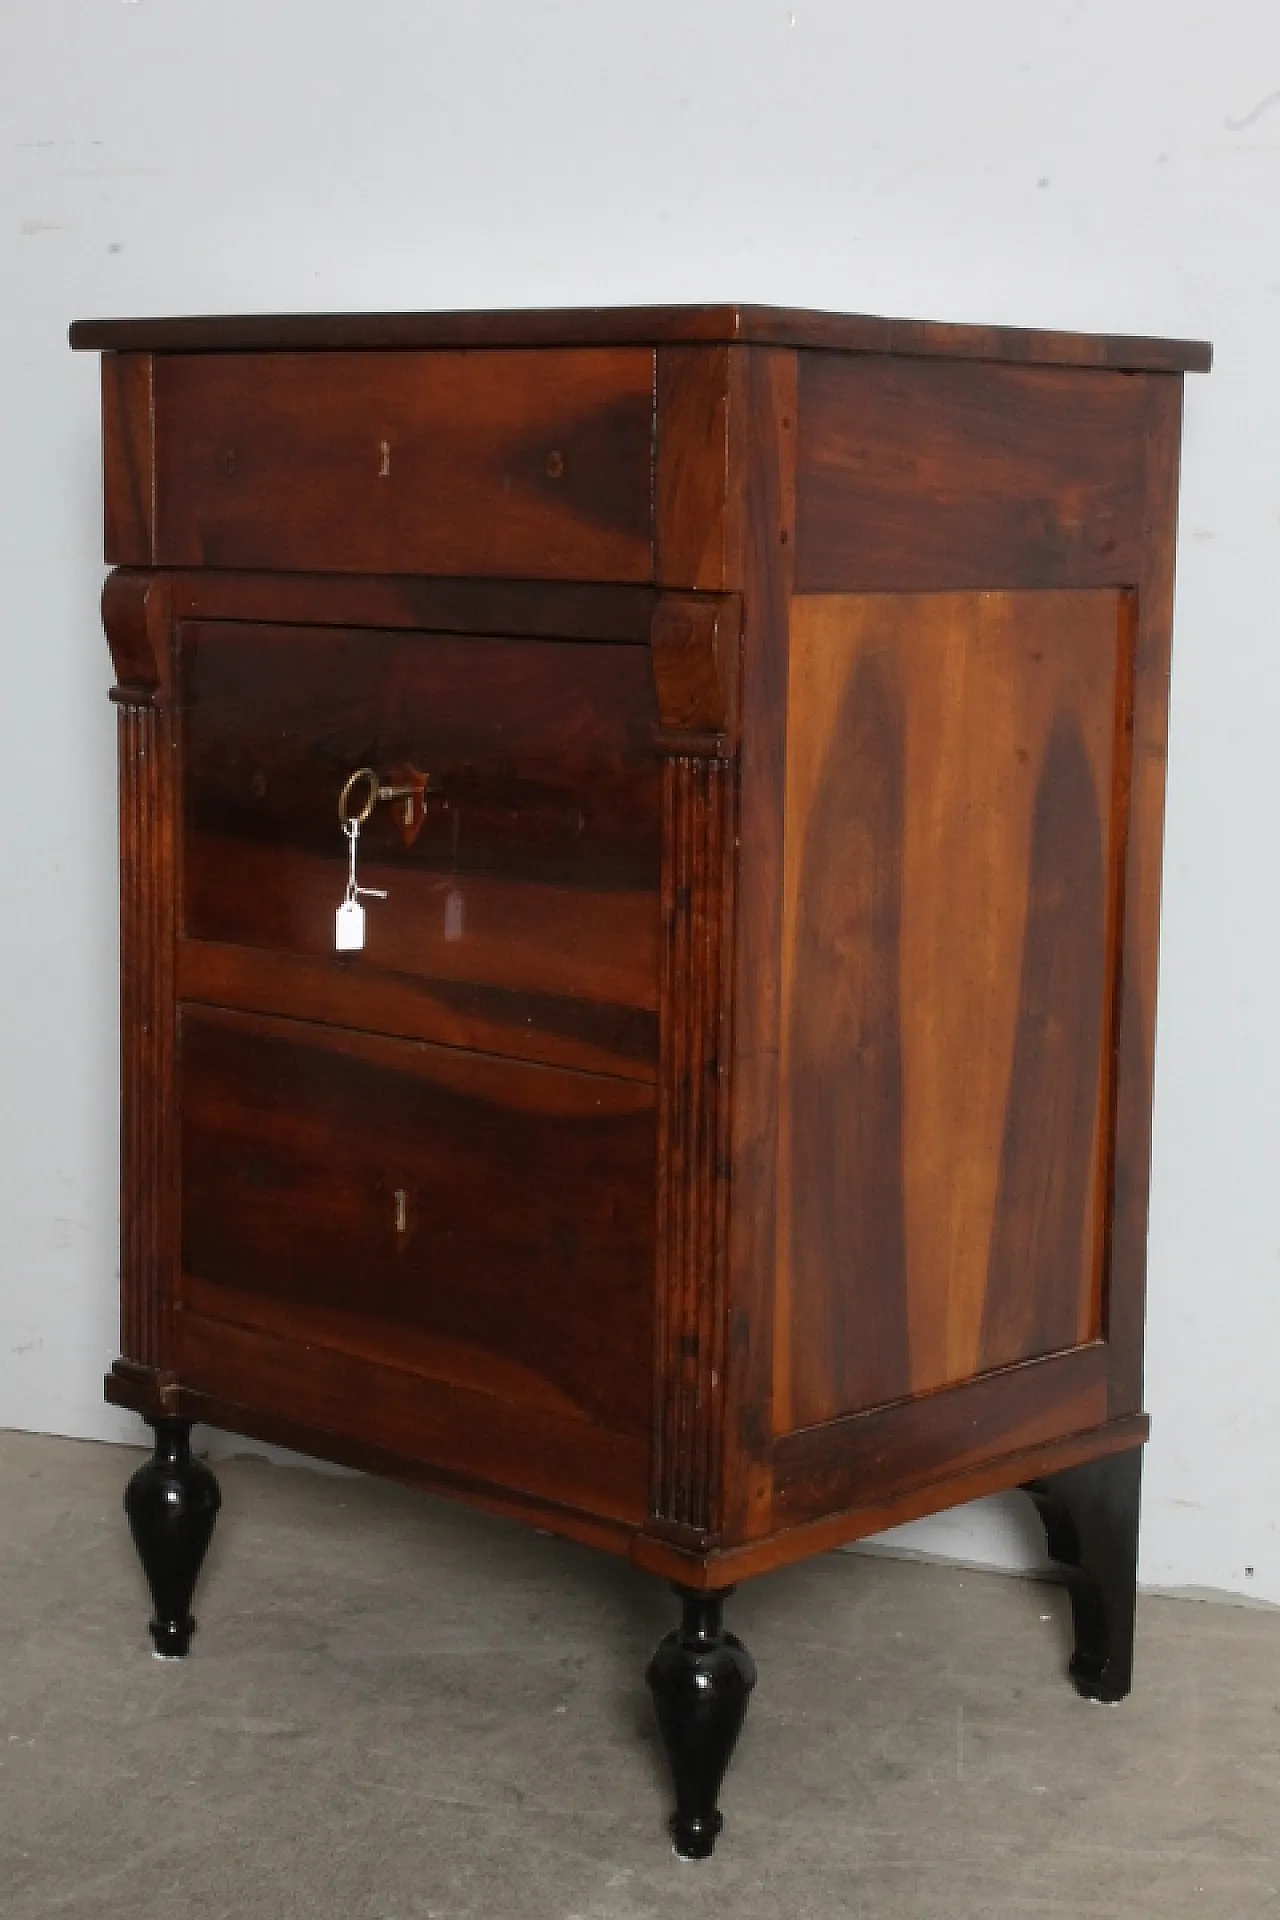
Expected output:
(956, 782)
(524, 914)
(532, 464)
(430, 1213)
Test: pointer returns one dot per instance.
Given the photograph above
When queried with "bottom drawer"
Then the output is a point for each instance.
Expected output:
(368, 1224)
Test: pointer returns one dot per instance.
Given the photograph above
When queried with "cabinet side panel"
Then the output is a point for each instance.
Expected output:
(949, 921)
(916, 474)
(1137, 997)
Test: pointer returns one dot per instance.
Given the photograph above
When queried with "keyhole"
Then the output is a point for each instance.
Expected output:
(402, 1211)
(384, 459)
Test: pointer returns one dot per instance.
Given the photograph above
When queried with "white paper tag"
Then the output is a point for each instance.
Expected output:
(350, 927)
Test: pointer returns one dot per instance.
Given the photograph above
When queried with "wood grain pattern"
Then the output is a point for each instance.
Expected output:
(694, 518)
(536, 869)
(916, 475)
(889, 1449)
(528, 464)
(439, 1432)
(1142, 802)
(560, 1029)
(148, 1393)
(694, 642)
(543, 610)
(713, 1569)
(762, 430)
(339, 1196)
(128, 459)
(734, 1135)
(730, 325)
(948, 967)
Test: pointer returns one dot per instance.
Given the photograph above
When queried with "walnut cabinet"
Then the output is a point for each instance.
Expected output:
(732, 1136)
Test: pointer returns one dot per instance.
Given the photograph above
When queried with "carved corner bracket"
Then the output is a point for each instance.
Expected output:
(695, 641)
(135, 619)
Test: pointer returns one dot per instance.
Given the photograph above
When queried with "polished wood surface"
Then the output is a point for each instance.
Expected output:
(337, 1194)
(521, 463)
(947, 987)
(717, 1567)
(789, 696)
(1140, 932)
(128, 458)
(935, 475)
(732, 1137)
(448, 1424)
(696, 518)
(763, 450)
(441, 1432)
(559, 1029)
(534, 875)
(789, 327)
(695, 641)
(914, 1440)
(547, 610)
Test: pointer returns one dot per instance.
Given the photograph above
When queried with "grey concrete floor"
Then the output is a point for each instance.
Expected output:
(399, 1710)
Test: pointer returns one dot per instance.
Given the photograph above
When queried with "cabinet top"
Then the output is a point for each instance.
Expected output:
(640, 326)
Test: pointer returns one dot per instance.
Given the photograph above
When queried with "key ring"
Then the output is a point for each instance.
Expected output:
(348, 816)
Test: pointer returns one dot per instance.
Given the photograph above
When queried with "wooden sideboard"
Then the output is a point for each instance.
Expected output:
(731, 1138)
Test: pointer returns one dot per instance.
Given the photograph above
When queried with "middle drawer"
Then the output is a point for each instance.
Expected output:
(523, 916)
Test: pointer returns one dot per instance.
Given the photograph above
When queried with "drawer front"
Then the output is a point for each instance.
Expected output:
(528, 902)
(426, 1213)
(530, 464)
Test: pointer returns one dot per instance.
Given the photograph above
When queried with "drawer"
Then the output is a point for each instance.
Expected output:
(531, 464)
(339, 1206)
(528, 901)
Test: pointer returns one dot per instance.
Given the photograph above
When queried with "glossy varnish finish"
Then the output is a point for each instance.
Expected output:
(929, 474)
(733, 1136)
(1140, 931)
(128, 444)
(524, 464)
(763, 455)
(338, 1196)
(788, 327)
(947, 988)
(528, 897)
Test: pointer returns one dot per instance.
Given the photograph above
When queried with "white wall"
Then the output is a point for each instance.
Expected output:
(1101, 164)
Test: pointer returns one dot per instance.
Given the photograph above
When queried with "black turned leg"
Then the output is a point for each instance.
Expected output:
(172, 1502)
(1090, 1517)
(701, 1679)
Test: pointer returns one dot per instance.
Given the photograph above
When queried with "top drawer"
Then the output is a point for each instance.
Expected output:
(534, 464)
